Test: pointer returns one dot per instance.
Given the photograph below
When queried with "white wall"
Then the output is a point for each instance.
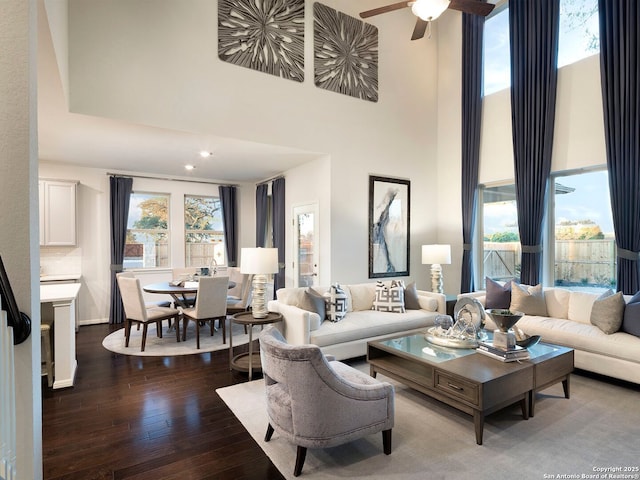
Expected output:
(159, 66)
(19, 216)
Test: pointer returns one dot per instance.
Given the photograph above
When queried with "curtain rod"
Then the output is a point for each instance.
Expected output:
(148, 177)
(270, 179)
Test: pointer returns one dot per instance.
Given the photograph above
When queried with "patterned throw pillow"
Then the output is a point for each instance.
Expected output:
(389, 298)
(335, 303)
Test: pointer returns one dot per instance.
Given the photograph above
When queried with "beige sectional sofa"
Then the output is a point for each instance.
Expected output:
(348, 337)
(568, 323)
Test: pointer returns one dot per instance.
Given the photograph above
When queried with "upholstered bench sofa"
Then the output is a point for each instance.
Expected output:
(348, 337)
(577, 320)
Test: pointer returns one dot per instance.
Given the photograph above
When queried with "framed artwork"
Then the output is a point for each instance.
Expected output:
(345, 54)
(389, 207)
(266, 36)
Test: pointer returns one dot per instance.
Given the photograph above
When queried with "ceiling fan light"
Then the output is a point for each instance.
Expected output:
(429, 10)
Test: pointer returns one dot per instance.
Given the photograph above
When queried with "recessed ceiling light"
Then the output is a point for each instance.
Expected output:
(205, 154)
(189, 167)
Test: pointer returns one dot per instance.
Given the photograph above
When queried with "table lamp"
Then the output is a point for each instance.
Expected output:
(259, 262)
(436, 255)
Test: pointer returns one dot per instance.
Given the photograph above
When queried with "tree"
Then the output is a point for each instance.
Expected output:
(503, 237)
(576, 14)
(199, 212)
(154, 214)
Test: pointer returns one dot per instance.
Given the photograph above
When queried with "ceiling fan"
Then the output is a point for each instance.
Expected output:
(429, 10)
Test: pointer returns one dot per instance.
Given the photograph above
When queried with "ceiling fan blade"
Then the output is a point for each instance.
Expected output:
(475, 7)
(385, 9)
(419, 29)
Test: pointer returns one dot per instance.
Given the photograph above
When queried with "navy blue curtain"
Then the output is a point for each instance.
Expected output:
(620, 74)
(533, 36)
(472, 33)
(120, 195)
(277, 193)
(230, 222)
(262, 203)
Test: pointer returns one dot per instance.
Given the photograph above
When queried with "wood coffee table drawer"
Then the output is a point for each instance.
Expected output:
(457, 387)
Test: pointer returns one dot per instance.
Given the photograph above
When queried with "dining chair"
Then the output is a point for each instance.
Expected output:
(185, 274)
(136, 311)
(239, 297)
(211, 305)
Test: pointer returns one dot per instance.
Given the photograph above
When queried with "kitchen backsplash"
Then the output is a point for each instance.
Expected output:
(60, 261)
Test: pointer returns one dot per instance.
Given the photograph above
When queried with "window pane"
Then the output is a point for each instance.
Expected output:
(147, 242)
(204, 235)
(501, 256)
(585, 241)
(579, 31)
(497, 66)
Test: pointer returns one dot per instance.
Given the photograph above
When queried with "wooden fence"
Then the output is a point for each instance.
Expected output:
(576, 262)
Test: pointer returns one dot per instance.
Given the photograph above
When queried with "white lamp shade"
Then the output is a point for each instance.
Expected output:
(429, 10)
(259, 260)
(436, 254)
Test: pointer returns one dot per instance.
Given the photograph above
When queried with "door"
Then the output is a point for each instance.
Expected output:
(306, 247)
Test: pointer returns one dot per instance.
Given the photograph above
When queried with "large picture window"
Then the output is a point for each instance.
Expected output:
(585, 255)
(204, 232)
(147, 243)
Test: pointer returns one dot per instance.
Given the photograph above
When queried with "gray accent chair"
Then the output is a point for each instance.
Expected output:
(314, 401)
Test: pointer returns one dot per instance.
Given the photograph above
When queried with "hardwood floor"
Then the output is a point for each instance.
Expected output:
(139, 418)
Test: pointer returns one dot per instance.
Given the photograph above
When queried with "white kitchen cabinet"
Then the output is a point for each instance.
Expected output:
(57, 212)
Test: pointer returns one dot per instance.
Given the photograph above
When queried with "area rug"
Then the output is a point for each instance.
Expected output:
(167, 345)
(596, 429)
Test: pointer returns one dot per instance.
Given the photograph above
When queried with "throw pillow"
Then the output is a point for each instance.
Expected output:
(498, 295)
(528, 300)
(631, 320)
(411, 301)
(335, 303)
(607, 312)
(314, 302)
(389, 298)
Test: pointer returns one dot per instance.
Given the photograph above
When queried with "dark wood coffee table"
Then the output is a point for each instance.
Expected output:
(468, 381)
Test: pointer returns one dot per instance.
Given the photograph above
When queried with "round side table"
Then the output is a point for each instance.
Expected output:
(248, 362)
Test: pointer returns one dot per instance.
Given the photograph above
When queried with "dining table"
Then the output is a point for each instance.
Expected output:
(179, 291)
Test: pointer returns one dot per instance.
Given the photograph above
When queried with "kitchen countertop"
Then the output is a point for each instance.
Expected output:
(60, 278)
(59, 292)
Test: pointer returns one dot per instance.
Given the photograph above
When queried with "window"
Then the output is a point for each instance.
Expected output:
(497, 64)
(499, 230)
(578, 38)
(585, 253)
(580, 250)
(204, 234)
(579, 31)
(147, 242)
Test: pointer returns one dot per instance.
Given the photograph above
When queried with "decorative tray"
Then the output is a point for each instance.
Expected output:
(436, 336)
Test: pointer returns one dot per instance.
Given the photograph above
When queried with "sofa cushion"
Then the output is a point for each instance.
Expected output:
(411, 300)
(528, 300)
(557, 300)
(580, 304)
(631, 320)
(607, 312)
(314, 302)
(581, 336)
(429, 304)
(362, 296)
(371, 323)
(497, 294)
(389, 297)
(335, 303)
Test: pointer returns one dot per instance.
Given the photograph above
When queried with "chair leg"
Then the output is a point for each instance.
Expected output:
(198, 334)
(223, 321)
(159, 328)
(177, 327)
(144, 336)
(300, 456)
(269, 433)
(127, 331)
(185, 324)
(212, 324)
(386, 441)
